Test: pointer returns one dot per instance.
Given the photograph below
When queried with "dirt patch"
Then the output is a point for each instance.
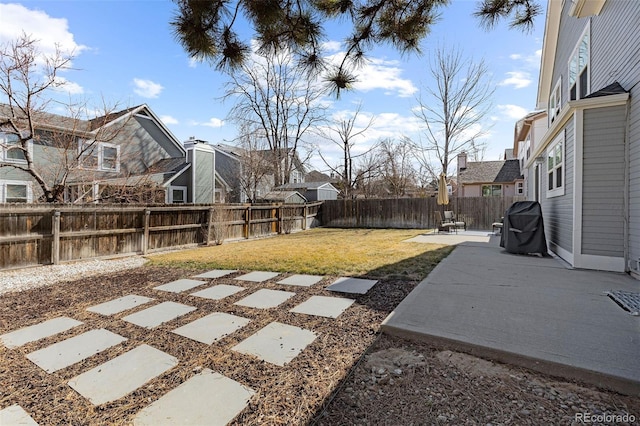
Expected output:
(349, 375)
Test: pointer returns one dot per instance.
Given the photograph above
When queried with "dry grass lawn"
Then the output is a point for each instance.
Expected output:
(374, 253)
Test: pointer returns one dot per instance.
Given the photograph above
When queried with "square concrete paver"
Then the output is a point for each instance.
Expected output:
(323, 306)
(122, 375)
(179, 286)
(158, 314)
(276, 343)
(352, 285)
(121, 304)
(257, 276)
(216, 273)
(38, 331)
(212, 327)
(301, 280)
(207, 398)
(265, 298)
(218, 292)
(15, 415)
(75, 349)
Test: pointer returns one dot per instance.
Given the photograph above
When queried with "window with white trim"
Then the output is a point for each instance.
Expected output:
(15, 191)
(520, 188)
(100, 156)
(11, 150)
(491, 190)
(579, 77)
(555, 167)
(555, 101)
(178, 194)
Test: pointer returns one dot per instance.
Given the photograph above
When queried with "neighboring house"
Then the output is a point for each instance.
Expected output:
(489, 178)
(129, 154)
(285, 197)
(585, 168)
(312, 191)
(528, 133)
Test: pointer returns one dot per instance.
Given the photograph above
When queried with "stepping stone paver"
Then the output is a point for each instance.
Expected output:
(216, 273)
(257, 276)
(122, 375)
(212, 327)
(179, 286)
(276, 343)
(265, 298)
(352, 285)
(15, 415)
(75, 349)
(218, 292)
(207, 398)
(121, 304)
(38, 331)
(323, 306)
(301, 280)
(158, 314)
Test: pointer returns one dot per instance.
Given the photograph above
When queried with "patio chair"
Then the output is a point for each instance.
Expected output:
(443, 225)
(450, 217)
(497, 226)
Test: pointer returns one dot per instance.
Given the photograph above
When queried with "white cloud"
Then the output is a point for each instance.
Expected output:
(167, 119)
(193, 62)
(48, 31)
(213, 122)
(332, 46)
(513, 112)
(383, 74)
(147, 88)
(517, 79)
(67, 86)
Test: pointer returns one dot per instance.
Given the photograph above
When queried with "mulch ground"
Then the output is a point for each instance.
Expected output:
(349, 375)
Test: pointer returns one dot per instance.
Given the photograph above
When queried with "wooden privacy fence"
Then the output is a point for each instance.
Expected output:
(413, 213)
(39, 234)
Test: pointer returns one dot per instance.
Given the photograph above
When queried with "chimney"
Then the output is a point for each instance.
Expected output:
(462, 161)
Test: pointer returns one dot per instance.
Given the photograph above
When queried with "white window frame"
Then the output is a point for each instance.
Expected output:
(178, 188)
(554, 168)
(555, 101)
(4, 149)
(3, 189)
(98, 151)
(492, 189)
(520, 188)
(575, 68)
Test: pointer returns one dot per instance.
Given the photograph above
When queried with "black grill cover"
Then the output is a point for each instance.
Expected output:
(523, 229)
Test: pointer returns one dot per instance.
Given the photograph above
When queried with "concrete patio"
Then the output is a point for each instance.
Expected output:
(525, 310)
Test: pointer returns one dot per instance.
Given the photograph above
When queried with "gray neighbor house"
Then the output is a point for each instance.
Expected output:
(581, 147)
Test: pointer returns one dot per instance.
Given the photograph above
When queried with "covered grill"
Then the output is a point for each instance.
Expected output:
(523, 229)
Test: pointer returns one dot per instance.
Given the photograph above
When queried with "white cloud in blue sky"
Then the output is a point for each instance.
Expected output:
(512, 112)
(517, 79)
(147, 88)
(167, 119)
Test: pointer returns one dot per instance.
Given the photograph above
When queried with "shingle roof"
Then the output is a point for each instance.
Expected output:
(490, 171)
(612, 89)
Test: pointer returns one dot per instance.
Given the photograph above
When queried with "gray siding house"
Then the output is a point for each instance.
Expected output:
(583, 164)
(312, 191)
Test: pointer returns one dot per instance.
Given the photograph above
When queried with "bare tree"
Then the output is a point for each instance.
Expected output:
(254, 167)
(278, 102)
(397, 169)
(453, 110)
(345, 135)
(368, 175)
(68, 145)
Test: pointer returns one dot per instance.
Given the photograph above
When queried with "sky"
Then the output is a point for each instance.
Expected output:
(125, 53)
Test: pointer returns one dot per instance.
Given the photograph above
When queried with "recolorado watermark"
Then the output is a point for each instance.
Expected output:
(604, 418)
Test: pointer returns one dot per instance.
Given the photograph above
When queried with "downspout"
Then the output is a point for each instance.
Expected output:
(627, 187)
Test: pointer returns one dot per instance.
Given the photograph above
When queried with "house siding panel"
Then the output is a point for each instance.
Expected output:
(204, 180)
(557, 212)
(603, 182)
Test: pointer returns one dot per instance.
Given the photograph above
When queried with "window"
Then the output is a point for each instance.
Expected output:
(15, 192)
(10, 149)
(579, 77)
(178, 194)
(491, 190)
(519, 188)
(555, 102)
(296, 177)
(99, 155)
(555, 167)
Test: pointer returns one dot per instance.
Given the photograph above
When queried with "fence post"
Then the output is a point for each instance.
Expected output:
(55, 242)
(209, 224)
(278, 211)
(305, 211)
(145, 235)
(247, 222)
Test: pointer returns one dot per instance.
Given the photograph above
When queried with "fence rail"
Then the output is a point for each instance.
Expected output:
(37, 234)
(418, 213)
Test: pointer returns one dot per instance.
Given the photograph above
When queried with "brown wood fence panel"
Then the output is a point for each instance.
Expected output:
(41, 234)
(412, 213)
